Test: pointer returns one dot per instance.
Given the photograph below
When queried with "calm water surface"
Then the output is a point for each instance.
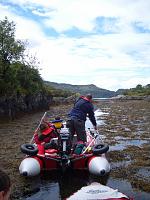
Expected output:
(56, 186)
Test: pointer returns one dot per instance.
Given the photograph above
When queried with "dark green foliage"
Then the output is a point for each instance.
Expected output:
(139, 90)
(11, 50)
(17, 76)
(27, 78)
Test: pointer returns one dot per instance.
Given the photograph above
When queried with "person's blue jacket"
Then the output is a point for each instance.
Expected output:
(83, 108)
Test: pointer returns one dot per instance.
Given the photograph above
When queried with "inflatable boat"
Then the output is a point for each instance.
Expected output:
(96, 191)
(91, 157)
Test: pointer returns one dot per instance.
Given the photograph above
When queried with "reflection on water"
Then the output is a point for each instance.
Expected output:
(120, 164)
(47, 191)
(126, 188)
(98, 113)
(123, 144)
(145, 173)
(55, 186)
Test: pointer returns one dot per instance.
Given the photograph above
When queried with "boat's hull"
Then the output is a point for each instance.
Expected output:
(97, 165)
(91, 158)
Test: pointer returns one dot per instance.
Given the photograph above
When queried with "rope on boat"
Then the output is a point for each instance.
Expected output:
(96, 136)
(38, 127)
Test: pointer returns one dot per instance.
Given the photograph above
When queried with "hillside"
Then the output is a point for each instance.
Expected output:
(120, 91)
(83, 89)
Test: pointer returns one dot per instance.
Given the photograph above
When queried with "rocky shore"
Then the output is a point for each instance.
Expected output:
(15, 106)
(126, 97)
(11, 107)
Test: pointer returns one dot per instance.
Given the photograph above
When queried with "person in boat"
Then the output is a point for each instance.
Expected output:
(47, 133)
(5, 186)
(77, 117)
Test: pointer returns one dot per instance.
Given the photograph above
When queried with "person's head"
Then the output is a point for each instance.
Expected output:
(57, 118)
(89, 96)
(4, 186)
(45, 129)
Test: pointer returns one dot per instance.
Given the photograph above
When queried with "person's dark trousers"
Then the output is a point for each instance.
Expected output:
(77, 126)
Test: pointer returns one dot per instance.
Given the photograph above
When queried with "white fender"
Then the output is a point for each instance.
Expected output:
(98, 165)
(30, 167)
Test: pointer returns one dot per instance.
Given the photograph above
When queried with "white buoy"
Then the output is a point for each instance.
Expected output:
(98, 165)
(30, 167)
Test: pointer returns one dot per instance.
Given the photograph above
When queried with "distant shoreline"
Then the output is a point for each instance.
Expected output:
(123, 97)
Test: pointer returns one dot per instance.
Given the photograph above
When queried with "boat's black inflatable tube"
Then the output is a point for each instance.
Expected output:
(29, 149)
(100, 149)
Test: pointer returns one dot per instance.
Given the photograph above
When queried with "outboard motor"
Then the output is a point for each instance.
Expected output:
(64, 147)
(64, 140)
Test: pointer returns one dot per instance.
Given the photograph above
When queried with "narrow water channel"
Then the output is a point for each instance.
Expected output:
(123, 125)
(57, 186)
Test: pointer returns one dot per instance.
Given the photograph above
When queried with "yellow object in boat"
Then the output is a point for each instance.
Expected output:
(58, 123)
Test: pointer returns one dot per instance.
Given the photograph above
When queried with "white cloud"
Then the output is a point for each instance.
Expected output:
(82, 14)
(92, 58)
(64, 14)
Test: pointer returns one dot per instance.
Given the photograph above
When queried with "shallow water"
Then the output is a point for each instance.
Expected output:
(99, 122)
(123, 144)
(144, 173)
(126, 188)
(125, 126)
(61, 187)
(56, 185)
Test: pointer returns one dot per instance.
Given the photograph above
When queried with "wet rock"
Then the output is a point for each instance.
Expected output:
(11, 107)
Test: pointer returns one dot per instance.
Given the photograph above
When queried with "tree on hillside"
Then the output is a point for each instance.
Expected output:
(19, 74)
(16, 74)
(27, 79)
(11, 50)
(139, 90)
(139, 87)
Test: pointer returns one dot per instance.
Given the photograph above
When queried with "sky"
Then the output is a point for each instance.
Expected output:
(80, 42)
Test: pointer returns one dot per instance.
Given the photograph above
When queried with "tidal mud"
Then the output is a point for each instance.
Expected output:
(127, 131)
